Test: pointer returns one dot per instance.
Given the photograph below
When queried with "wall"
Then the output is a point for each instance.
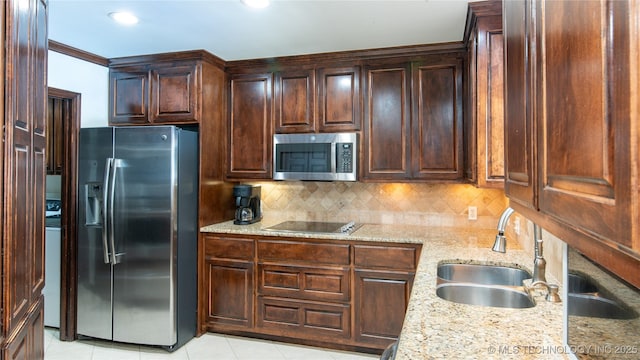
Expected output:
(382, 203)
(91, 80)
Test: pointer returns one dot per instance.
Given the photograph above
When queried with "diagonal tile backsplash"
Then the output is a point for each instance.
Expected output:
(382, 203)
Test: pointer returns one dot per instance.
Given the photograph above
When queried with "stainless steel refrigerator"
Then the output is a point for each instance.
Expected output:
(137, 234)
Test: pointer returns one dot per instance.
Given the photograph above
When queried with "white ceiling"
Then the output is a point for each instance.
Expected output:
(231, 31)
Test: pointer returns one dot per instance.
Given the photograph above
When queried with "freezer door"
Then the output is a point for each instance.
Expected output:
(94, 275)
(145, 222)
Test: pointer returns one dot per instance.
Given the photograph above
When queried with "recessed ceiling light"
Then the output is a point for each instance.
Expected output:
(123, 17)
(256, 4)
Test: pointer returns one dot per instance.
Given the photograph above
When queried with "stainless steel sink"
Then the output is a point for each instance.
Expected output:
(485, 285)
(482, 274)
(485, 295)
(585, 298)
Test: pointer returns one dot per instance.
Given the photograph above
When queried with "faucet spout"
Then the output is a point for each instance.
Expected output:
(539, 263)
(500, 245)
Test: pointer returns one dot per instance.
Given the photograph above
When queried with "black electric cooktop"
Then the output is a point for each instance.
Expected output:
(315, 227)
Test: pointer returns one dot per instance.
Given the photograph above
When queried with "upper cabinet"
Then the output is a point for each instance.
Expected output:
(413, 120)
(158, 89)
(387, 130)
(339, 103)
(326, 99)
(520, 159)
(574, 98)
(484, 115)
(250, 126)
(295, 101)
(405, 103)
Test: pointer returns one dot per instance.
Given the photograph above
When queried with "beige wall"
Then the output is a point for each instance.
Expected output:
(382, 203)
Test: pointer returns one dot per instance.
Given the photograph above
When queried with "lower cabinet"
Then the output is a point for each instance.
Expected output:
(381, 299)
(230, 294)
(333, 293)
(228, 283)
(303, 319)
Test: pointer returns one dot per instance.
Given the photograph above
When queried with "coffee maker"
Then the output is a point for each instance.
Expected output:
(248, 208)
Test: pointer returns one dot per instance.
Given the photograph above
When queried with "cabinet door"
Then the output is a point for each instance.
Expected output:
(304, 282)
(387, 123)
(583, 97)
(295, 101)
(173, 96)
(128, 96)
(488, 107)
(437, 121)
(339, 106)
(520, 160)
(250, 129)
(24, 160)
(229, 294)
(300, 319)
(381, 299)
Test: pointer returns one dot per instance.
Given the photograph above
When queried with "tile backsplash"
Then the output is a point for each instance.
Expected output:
(382, 203)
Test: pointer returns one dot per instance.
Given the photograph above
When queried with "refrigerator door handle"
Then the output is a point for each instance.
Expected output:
(105, 209)
(112, 195)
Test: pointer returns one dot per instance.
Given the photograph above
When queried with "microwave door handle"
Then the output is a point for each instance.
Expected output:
(105, 209)
(334, 159)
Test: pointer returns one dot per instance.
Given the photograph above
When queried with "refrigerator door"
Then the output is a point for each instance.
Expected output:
(94, 275)
(144, 234)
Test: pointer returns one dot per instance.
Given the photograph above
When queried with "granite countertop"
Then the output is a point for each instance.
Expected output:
(437, 329)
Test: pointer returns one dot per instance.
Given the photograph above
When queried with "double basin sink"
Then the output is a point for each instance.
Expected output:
(502, 286)
(486, 285)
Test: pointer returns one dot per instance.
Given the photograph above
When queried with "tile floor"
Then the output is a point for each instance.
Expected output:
(207, 347)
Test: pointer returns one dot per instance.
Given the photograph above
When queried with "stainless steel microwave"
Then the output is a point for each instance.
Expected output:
(321, 157)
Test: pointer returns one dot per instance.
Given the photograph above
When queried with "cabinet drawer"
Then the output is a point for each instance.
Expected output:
(304, 282)
(228, 248)
(393, 257)
(302, 319)
(294, 251)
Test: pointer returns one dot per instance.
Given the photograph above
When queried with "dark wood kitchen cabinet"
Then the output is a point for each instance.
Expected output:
(295, 101)
(484, 115)
(339, 106)
(333, 293)
(250, 127)
(413, 120)
(157, 89)
(520, 159)
(154, 94)
(229, 279)
(326, 99)
(387, 136)
(579, 90)
(23, 153)
(304, 289)
(383, 278)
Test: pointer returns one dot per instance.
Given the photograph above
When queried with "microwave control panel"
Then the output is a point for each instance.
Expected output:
(344, 157)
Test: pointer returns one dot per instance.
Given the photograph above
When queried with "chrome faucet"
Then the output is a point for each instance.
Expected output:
(500, 245)
(539, 266)
(539, 263)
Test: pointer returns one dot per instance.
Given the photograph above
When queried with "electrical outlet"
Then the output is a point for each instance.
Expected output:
(473, 213)
(516, 225)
